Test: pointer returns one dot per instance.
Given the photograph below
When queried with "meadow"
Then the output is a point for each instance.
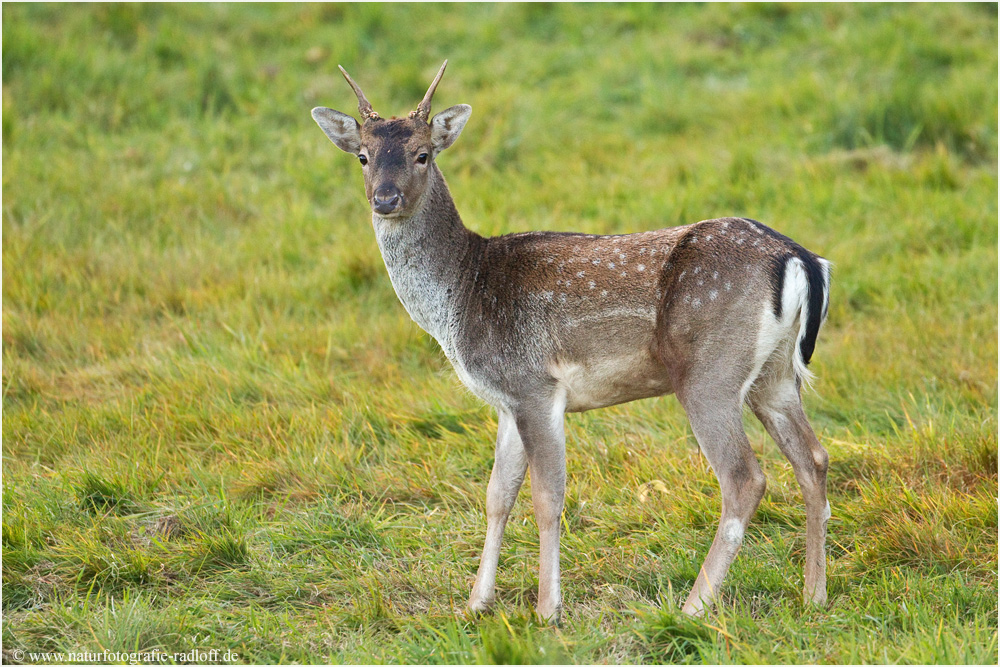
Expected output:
(222, 431)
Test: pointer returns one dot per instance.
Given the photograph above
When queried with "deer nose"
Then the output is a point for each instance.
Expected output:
(387, 199)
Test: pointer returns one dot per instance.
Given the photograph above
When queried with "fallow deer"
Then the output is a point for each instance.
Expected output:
(723, 313)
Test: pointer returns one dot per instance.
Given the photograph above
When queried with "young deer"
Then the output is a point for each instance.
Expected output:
(720, 312)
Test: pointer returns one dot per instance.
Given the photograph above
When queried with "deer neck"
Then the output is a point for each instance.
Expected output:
(424, 255)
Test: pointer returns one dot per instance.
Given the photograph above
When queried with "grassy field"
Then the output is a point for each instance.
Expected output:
(221, 430)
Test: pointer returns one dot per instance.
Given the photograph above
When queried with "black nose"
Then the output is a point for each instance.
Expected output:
(387, 199)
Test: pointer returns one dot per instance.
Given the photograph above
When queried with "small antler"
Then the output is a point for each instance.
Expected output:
(423, 110)
(364, 106)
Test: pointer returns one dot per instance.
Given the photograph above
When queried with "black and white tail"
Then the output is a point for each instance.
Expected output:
(810, 294)
(800, 295)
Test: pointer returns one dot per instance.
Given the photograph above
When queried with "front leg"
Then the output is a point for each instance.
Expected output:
(541, 428)
(509, 466)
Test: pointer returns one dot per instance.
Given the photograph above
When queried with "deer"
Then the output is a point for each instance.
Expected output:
(723, 313)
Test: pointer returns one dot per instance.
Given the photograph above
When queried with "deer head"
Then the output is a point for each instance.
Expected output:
(396, 154)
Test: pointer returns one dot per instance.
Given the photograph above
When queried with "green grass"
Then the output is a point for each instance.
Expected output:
(221, 430)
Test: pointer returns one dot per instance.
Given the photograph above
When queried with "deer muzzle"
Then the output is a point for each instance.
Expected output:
(387, 199)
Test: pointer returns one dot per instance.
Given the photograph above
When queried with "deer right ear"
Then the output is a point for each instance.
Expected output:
(342, 129)
(447, 125)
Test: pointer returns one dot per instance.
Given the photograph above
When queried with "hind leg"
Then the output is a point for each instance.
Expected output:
(716, 417)
(779, 408)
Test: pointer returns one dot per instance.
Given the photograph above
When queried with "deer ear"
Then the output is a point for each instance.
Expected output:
(447, 125)
(342, 129)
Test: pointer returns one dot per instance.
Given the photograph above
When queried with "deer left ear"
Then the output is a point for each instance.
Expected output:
(341, 129)
(447, 125)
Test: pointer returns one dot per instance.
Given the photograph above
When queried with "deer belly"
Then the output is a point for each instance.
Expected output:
(615, 378)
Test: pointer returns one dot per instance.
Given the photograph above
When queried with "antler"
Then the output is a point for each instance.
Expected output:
(364, 106)
(423, 110)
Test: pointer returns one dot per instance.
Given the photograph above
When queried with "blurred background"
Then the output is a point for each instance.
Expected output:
(217, 416)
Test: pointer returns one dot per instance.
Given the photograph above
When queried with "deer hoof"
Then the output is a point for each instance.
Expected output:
(476, 609)
(551, 617)
(816, 598)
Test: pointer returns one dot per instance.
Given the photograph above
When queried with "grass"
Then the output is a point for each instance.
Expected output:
(221, 430)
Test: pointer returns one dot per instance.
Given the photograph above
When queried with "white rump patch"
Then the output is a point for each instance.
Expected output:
(772, 331)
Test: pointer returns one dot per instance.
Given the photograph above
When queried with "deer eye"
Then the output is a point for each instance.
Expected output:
(363, 160)
(422, 158)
